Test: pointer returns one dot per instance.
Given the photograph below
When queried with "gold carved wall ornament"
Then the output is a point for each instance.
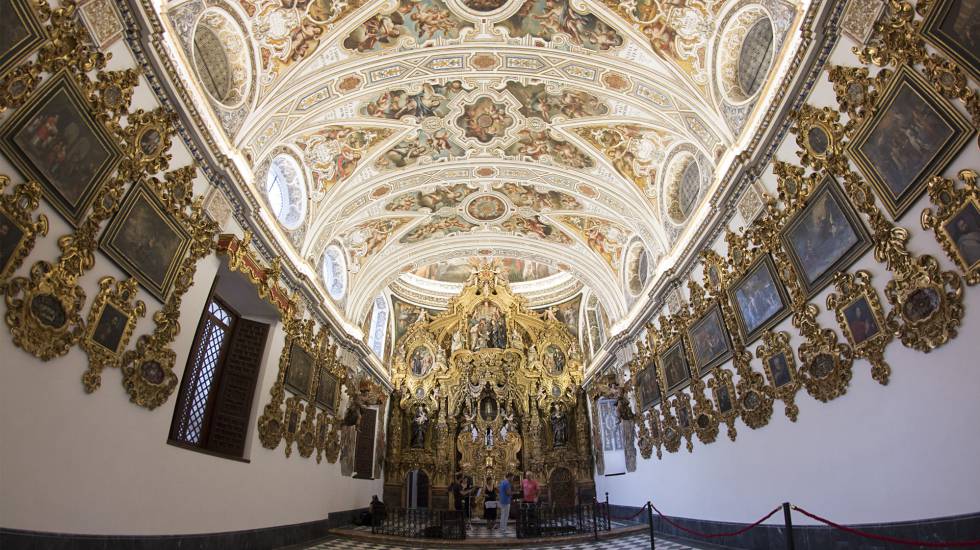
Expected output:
(671, 432)
(111, 320)
(685, 418)
(18, 224)
(954, 221)
(780, 365)
(861, 319)
(723, 392)
(753, 397)
(148, 371)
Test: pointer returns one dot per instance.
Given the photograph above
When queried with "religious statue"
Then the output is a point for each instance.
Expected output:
(532, 354)
(516, 339)
(488, 441)
(418, 428)
(559, 428)
(479, 335)
(457, 343)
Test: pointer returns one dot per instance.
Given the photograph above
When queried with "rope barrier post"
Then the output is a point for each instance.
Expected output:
(595, 522)
(608, 521)
(653, 542)
(788, 519)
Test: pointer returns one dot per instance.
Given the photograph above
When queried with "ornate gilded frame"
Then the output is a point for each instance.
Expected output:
(26, 12)
(827, 185)
(63, 82)
(762, 261)
(121, 297)
(961, 127)
(850, 289)
(17, 209)
(148, 193)
(776, 344)
(950, 203)
(936, 12)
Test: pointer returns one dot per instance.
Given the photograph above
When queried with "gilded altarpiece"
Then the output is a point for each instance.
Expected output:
(485, 388)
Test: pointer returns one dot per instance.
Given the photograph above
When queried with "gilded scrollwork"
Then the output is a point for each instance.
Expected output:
(685, 418)
(861, 319)
(723, 391)
(780, 365)
(17, 208)
(148, 371)
(955, 208)
(669, 428)
(111, 320)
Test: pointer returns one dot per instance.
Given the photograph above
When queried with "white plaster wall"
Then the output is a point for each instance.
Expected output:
(77, 463)
(904, 451)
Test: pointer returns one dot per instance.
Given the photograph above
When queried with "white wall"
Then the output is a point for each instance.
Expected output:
(77, 463)
(904, 451)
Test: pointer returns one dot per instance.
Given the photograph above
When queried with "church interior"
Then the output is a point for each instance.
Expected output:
(372, 274)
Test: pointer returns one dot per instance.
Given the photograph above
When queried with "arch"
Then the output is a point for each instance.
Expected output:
(416, 489)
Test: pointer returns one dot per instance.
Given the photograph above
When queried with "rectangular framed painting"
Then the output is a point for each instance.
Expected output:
(675, 372)
(647, 387)
(862, 322)
(759, 298)
(326, 390)
(825, 237)
(953, 26)
(911, 137)
(110, 328)
(12, 235)
(299, 373)
(21, 32)
(961, 236)
(147, 241)
(709, 340)
(56, 140)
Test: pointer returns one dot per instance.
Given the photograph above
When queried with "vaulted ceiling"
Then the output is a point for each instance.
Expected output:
(393, 135)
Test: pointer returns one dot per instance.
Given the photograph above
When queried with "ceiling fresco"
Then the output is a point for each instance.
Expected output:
(434, 129)
(458, 270)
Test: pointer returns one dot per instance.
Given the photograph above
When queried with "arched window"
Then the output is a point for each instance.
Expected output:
(285, 191)
(379, 327)
(335, 272)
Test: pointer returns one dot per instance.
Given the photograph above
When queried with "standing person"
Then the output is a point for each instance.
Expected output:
(530, 488)
(465, 493)
(455, 498)
(504, 499)
(489, 504)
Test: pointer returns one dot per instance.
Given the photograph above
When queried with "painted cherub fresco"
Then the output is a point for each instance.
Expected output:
(418, 19)
(525, 195)
(334, 153)
(537, 144)
(537, 102)
(603, 236)
(407, 152)
(536, 226)
(370, 237)
(439, 227)
(430, 101)
(548, 18)
(430, 201)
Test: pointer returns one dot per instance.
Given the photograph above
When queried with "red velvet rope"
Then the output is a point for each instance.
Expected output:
(885, 538)
(716, 535)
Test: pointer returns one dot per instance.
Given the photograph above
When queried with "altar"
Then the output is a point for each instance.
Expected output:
(485, 388)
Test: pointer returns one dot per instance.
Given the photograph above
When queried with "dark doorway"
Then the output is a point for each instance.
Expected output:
(417, 489)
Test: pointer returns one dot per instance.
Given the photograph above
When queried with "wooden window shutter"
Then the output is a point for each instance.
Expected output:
(364, 445)
(240, 372)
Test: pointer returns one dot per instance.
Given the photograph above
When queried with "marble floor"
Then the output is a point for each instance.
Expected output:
(632, 542)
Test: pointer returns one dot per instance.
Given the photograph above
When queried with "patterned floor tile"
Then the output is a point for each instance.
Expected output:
(634, 542)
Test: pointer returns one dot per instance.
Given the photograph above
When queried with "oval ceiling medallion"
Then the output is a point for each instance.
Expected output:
(486, 208)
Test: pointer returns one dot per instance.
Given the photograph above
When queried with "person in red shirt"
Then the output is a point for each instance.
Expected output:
(530, 488)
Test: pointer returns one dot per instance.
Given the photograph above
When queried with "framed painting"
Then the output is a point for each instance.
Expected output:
(709, 340)
(961, 236)
(913, 135)
(56, 140)
(421, 361)
(110, 328)
(862, 321)
(147, 241)
(21, 32)
(675, 372)
(953, 27)
(647, 387)
(781, 368)
(326, 390)
(13, 235)
(300, 370)
(759, 298)
(825, 237)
